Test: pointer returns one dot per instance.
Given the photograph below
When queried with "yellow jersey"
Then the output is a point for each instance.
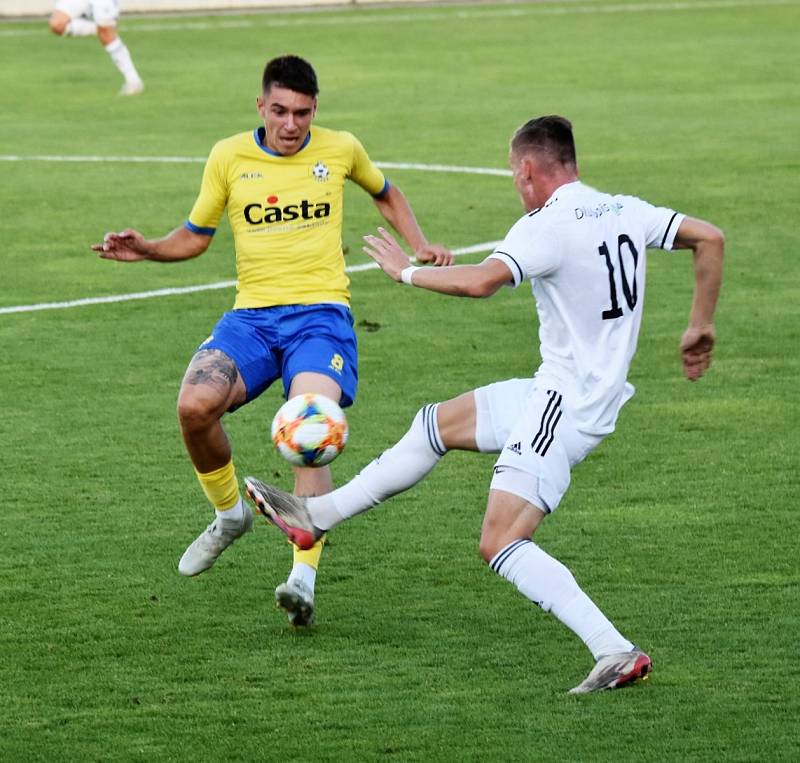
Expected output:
(285, 213)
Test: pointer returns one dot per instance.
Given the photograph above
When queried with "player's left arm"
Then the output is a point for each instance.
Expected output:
(396, 210)
(394, 206)
(480, 280)
(707, 243)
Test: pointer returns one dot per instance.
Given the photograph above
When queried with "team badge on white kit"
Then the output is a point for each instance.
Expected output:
(320, 171)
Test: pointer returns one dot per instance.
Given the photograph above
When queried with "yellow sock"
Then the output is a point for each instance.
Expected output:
(311, 556)
(220, 487)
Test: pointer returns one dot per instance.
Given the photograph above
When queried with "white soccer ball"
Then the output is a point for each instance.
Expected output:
(309, 430)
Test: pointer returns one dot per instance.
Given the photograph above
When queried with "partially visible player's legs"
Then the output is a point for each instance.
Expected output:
(121, 57)
(397, 469)
(211, 385)
(69, 23)
(506, 546)
(436, 428)
(296, 595)
(473, 421)
(71, 19)
(531, 475)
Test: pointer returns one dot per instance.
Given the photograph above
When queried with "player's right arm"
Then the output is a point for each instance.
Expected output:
(193, 237)
(481, 280)
(130, 246)
(708, 247)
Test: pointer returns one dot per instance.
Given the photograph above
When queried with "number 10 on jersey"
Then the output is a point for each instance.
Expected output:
(624, 245)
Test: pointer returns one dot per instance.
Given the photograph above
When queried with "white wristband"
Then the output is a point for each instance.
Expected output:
(406, 273)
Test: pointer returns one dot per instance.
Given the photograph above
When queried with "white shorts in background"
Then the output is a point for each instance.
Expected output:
(102, 12)
(537, 440)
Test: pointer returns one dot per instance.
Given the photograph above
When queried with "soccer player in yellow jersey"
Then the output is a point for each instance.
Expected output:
(282, 185)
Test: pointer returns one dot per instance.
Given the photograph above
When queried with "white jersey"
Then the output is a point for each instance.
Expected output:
(584, 252)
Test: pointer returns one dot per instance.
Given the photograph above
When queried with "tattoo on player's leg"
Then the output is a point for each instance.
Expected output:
(212, 367)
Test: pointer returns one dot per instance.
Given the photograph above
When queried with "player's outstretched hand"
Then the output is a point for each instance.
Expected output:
(434, 254)
(697, 345)
(127, 246)
(385, 250)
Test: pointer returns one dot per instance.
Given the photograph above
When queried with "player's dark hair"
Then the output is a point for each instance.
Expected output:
(549, 136)
(291, 72)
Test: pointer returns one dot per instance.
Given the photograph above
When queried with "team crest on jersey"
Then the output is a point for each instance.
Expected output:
(337, 363)
(320, 172)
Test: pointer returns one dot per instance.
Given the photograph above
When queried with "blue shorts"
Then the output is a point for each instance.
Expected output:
(269, 343)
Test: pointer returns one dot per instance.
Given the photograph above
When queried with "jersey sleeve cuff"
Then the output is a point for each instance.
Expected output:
(672, 231)
(382, 193)
(517, 273)
(189, 225)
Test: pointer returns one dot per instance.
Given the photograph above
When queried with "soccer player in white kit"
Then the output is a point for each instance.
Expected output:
(584, 252)
(86, 18)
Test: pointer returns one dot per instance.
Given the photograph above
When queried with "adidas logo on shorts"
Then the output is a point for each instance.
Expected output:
(516, 448)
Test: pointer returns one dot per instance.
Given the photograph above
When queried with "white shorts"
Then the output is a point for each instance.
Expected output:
(536, 437)
(102, 12)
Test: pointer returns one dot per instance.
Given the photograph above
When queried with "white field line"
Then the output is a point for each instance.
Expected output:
(444, 168)
(201, 160)
(350, 18)
(488, 246)
(131, 159)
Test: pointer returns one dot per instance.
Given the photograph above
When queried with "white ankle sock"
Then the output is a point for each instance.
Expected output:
(234, 513)
(304, 572)
(121, 57)
(79, 27)
(548, 583)
(395, 470)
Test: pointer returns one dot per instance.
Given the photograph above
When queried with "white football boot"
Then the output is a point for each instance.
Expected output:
(205, 550)
(297, 599)
(132, 87)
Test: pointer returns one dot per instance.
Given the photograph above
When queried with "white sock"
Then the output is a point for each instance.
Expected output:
(121, 57)
(394, 471)
(80, 28)
(548, 583)
(234, 513)
(304, 572)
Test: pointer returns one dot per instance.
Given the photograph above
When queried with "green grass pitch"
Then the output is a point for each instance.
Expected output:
(683, 526)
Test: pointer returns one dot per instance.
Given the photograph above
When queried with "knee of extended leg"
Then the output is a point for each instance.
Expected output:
(426, 426)
(487, 548)
(196, 411)
(106, 34)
